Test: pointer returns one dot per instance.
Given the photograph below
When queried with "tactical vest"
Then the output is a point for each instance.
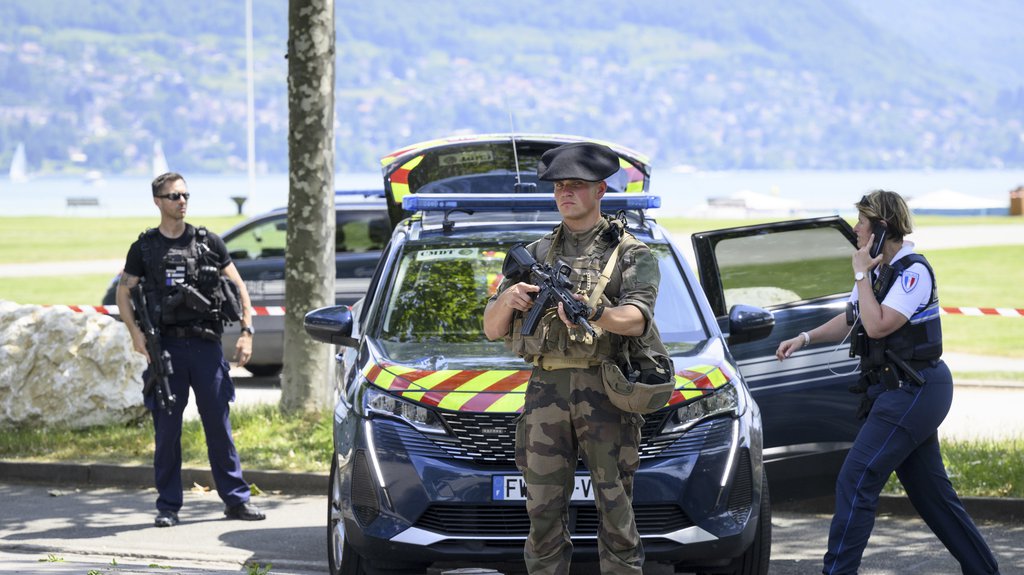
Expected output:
(552, 339)
(919, 340)
(184, 289)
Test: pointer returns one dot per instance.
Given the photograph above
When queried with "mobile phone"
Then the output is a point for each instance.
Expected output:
(879, 229)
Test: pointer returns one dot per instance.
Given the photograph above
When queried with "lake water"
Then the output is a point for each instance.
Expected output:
(682, 193)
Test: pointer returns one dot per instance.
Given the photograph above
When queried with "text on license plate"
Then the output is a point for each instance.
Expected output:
(513, 487)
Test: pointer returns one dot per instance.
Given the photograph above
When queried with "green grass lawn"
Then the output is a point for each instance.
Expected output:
(40, 239)
(60, 239)
(265, 440)
(980, 468)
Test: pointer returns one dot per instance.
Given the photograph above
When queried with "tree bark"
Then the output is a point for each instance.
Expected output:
(309, 266)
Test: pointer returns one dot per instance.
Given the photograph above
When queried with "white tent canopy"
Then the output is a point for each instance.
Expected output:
(953, 200)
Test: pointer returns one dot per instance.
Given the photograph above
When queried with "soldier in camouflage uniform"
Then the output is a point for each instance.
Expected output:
(567, 414)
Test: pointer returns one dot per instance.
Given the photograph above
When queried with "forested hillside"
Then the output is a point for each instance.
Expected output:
(91, 85)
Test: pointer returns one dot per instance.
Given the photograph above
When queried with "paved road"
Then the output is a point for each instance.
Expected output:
(90, 528)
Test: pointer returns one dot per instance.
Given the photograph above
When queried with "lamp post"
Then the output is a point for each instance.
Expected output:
(250, 103)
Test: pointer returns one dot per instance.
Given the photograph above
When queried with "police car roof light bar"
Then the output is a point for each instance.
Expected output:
(519, 202)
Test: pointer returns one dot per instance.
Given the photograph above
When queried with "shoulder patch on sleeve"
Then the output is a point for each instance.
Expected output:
(909, 280)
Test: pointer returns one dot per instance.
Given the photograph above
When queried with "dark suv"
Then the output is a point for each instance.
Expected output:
(257, 247)
(423, 467)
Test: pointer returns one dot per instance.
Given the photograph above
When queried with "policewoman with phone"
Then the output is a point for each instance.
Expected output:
(893, 321)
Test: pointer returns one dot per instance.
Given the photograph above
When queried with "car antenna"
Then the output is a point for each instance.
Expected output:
(519, 187)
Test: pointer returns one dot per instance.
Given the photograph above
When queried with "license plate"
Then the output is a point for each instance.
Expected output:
(513, 488)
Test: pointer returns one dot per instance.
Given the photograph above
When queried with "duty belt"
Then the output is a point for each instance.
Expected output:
(553, 363)
(190, 331)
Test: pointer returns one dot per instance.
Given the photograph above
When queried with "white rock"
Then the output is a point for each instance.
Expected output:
(60, 367)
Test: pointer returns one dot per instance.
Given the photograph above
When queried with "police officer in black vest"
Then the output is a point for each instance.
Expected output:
(893, 316)
(181, 269)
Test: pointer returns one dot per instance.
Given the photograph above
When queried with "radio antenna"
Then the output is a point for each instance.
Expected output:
(515, 154)
(519, 187)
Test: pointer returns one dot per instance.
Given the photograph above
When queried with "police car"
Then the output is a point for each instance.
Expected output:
(423, 468)
(257, 248)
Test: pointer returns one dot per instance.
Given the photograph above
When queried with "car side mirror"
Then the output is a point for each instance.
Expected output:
(749, 323)
(332, 324)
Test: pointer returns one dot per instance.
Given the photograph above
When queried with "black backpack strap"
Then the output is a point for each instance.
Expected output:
(147, 244)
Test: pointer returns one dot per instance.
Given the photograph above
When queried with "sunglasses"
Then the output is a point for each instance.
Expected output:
(174, 196)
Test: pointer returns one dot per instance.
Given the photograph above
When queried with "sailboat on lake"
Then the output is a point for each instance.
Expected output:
(19, 165)
(159, 160)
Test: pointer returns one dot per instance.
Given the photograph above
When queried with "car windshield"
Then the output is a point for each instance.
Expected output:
(434, 308)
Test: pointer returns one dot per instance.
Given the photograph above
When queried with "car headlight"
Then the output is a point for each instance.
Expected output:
(722, 401)
(378, 402)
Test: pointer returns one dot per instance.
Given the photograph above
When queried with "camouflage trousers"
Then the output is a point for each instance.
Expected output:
(568, 415)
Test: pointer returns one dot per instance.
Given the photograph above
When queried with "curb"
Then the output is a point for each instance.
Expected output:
(998, 509)
(994, 509)
(141, 476)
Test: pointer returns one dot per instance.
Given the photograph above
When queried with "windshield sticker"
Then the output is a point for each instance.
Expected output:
(446, 254)
(470, 157)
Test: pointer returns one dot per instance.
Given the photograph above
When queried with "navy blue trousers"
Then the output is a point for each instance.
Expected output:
(900, 435)
(199, 364)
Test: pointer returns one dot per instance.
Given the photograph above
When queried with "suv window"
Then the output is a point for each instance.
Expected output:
(772, 269)
(355, 232)
(262, 239)
(361, 232)
(438, 294)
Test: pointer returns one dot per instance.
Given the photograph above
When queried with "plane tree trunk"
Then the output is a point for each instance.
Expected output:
(309, 266)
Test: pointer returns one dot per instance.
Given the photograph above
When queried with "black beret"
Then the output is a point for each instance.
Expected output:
(578, 161)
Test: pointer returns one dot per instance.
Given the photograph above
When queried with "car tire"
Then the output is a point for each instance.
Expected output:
(342, 559)
(269, 370)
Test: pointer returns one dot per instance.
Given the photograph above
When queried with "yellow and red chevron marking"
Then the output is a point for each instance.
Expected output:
(495, 391)
(697, 381)
(503, 390)
(400, 179)
(636, 177)
(391, 157)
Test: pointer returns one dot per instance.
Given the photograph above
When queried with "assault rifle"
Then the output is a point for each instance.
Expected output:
(554, 286)
(160, 368)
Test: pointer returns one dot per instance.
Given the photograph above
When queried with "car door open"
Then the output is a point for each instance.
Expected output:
(800, 271)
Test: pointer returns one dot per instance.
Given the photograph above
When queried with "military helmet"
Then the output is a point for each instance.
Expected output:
(635, 396)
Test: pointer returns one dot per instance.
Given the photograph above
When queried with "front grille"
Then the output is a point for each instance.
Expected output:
(489, 438)
(507, 521)
(473, 520)
(486, 438)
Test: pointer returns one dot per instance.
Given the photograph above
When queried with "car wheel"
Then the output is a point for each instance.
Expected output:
(264, 370)
(342, 559)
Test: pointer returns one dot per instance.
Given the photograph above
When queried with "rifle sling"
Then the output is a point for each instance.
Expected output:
(606, 276)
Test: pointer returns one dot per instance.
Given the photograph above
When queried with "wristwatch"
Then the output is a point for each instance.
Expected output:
(247, 329)
(858, 276)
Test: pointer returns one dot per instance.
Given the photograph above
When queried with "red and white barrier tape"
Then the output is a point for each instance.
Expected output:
(1002, 311)
(112, 309)
(279, 310)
